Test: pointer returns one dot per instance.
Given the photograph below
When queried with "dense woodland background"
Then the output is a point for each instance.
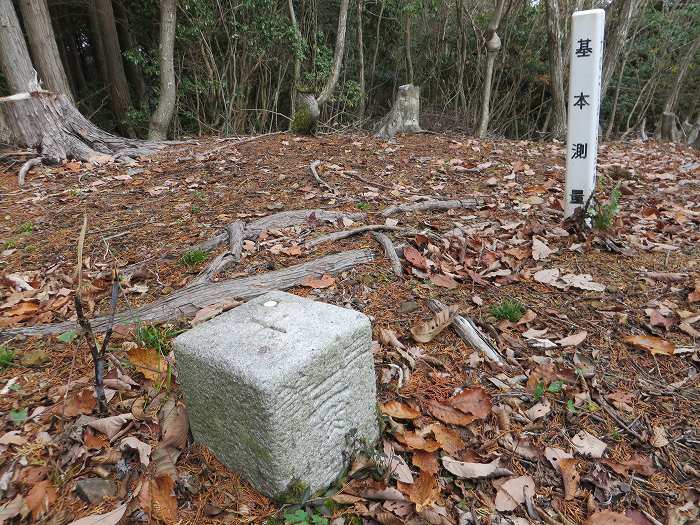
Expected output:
(235, 60)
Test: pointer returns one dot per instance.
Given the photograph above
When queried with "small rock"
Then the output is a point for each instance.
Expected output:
(93, 490)
(408, 306)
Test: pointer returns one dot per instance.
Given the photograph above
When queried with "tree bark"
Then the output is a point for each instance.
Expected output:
(118, 85)
(493, 46)
(133, 71)
(44, 50)
(14, 55)
(297, 59)
(672, 100)
(97, 43)
(308, 106)
(75, 64)
(556, 68)
(361, 58)
(160, 121)
(332, 82)
(617, 29)
(407, 45)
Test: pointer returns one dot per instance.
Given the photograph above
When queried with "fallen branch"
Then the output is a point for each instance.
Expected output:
(276, 221)
(348, 233)
(189, 300)
(470, 333)
(26, 167)
(465, 204)
(227, 259)
(390, 252)
(611, 412)
(312, 168)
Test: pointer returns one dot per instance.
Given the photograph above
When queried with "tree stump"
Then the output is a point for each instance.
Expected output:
(52, 125)
(404, 114)
(306, 115)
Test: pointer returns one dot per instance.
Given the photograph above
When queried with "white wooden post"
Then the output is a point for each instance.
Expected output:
(587, 29)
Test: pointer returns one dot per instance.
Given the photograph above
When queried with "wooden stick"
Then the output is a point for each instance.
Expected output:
(466, 204)
(467, 330)
(390, 252)
(189, 300)
(348, 233)
(312, 168)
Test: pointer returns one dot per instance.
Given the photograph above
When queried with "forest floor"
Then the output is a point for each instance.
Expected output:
(592, 416)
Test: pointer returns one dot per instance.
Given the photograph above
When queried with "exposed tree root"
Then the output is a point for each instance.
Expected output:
(312, 168)
(227, 259)
(189, 300)
(465, 204)
(25, 169)
(390, 251)
(348, 233)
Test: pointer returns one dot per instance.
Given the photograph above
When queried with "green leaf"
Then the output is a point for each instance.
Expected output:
(570, 406)
(539, 391)
(18, 416)
(555, 386)
(319, 520)
(67, 337)
(297, 517)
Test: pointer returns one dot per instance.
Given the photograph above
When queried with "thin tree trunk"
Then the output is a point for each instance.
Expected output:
(407, 44)
(42, 42)
(376, 44)
(297, 59)
(672, 100)
(556, 68)
(493, 45)
(617, 30)
(119, 87)
(75, 64)
(98, 48)
(329, 88)
(613, 111)
(163, 115)
(133, 71)
(14, 55)
(361, 58)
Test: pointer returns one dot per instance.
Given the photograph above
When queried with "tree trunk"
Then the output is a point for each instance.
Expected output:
(297, 58)
(404, 114)
(14, 55)
(160, 121)
(376, 43)
(308, 106)
(42, 42)
(407, 44)
(556, 68)
(669, 130)
(119, 88)
(97, 43)
(617, 30)
(361, 58)
(332, 82)
(75, 64)
(51, 124)
(493, 46)
(133, 71)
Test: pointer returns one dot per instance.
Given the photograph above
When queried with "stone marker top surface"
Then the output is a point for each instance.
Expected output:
(272, 334)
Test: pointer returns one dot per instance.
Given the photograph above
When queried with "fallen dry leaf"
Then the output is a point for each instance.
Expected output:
(424, 332)
(174, 425)
(423, 492)
(658, 438)
(399, 410)
(109, 426)
(655, 345)
(475, 401)
(40, 498)
(324, 281)
(388, 338)
(608, 517)
(163, 499)
(570, 476)
(467, 470)
(450, 441)
(415, 258)
(638, 463)
(149, 362)
(143, 449)
(513, 492)
(694, 296)
(427, 461)
(539, 410)
(415, 441)
(110, 518)
(574, 339)
(449, 415)
(588, 445)
(395, 465)
(540, 250)
(444, 281)
(83, 402)
(11, 509)
(13, 438)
